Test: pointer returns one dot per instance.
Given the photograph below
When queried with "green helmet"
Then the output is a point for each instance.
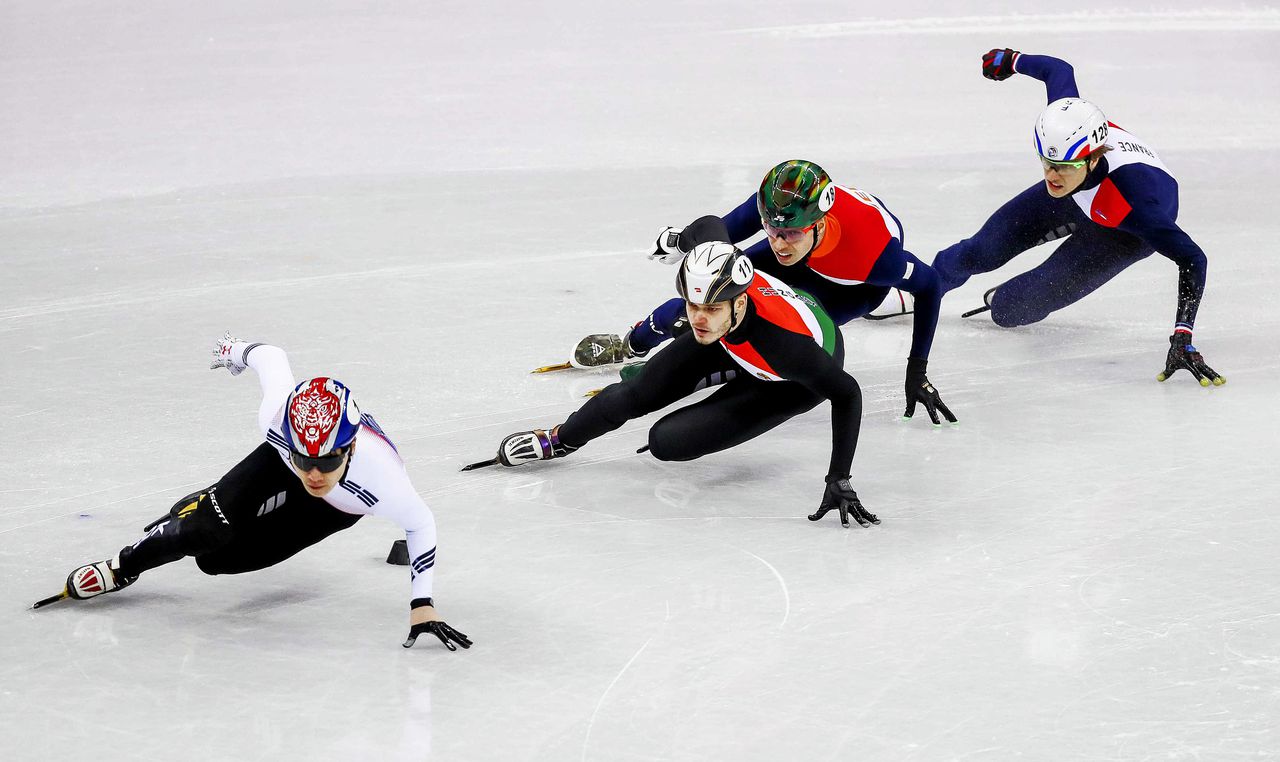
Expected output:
(795, 194)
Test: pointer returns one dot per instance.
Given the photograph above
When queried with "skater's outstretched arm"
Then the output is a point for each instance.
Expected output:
(269, 362)
(1058, 76)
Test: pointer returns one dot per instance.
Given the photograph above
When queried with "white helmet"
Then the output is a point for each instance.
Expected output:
(1070, 129)
(714, 272)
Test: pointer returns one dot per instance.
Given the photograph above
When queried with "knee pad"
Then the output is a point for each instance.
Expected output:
(664, 447)
(199, 524)
(1012, 316)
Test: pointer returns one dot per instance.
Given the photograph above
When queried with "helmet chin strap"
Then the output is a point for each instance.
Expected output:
(351, 454)
(814, 244)
(816, 235)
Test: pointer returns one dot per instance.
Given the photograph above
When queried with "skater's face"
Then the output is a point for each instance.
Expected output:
(317, 482)
(790, 245)
(1063, 178)
(712, 321)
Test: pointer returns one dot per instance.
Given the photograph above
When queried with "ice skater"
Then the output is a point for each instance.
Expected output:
(773, 350)
(323, 466)
(1106, 192)
(840, 245)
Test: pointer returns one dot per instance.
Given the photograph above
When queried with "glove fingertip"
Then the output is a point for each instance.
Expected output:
(408, 643)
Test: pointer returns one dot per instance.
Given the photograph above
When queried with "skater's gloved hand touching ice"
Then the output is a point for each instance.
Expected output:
(839, 495)
(920, 390)
(423, 619)
(1184, 356)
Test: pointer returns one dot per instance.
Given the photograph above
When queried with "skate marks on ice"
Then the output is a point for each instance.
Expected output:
(1084, 21)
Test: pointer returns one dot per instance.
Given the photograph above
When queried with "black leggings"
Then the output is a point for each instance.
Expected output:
(256, 516)
(742, 409)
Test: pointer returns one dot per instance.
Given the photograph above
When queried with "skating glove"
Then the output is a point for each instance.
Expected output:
(667, 251)
(448, 636)
(839, 496)
(920, 390)
(1183, 355)
(230, 352)
(998, 64)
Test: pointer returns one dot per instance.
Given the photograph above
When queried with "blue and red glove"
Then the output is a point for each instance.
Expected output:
(997, 64)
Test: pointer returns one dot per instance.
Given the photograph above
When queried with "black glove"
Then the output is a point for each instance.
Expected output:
(998, 64)
(840, 496)
(1182, 355)
(920, 390)
(440, 630)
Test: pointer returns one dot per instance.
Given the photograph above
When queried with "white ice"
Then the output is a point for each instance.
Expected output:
(426, 200)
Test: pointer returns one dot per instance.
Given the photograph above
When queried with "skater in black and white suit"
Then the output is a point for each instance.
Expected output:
(323, 466)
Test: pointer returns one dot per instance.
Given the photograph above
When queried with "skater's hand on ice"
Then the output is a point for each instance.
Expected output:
(997, 64)
(1184, 356)
(920, 390)
(424, 619)
(839, 496)
(667, 250)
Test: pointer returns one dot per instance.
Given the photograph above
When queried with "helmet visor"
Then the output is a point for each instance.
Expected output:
(790, 235)
(325, 464)
(1062, 166)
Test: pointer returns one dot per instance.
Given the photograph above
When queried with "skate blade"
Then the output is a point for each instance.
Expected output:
(979, 311)
(579, 366)
(480, 464)
(51, 599)
(553, 368)
(887, 317)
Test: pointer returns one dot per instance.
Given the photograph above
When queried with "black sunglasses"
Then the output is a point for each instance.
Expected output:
(325, 464)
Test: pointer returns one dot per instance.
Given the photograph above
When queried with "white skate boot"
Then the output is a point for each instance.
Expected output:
(896, 304)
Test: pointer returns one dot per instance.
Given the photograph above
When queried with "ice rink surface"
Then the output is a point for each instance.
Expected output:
(426, 200)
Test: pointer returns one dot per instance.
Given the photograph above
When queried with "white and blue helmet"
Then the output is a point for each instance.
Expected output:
(1070, 129)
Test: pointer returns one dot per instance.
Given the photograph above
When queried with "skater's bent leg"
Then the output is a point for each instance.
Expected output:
(1027, 220)
(739, 411)
(846, 303)
(193, 526)
(1081, 264)
(302, 521)
(674, 373)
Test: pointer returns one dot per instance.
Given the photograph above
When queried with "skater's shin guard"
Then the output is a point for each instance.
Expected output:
(194, 525)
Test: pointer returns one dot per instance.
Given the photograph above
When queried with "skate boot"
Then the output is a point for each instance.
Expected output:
(603, 349)
(896, 304)
(538, 444)
(96, 579)
(986, 304)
